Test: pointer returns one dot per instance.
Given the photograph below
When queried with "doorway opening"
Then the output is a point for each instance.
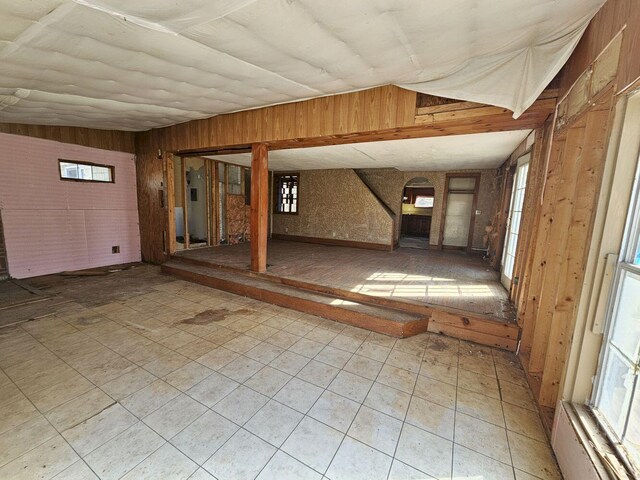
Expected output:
(417, 208)
(460, 202)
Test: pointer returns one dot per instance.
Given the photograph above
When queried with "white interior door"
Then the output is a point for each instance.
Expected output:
(458, 212)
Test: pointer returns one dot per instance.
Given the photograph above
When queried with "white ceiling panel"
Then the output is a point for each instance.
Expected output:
(459, 152)
(148, 63)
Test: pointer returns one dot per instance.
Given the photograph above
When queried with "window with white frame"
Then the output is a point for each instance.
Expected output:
(616, 400)
(515, 216)
(85, 172)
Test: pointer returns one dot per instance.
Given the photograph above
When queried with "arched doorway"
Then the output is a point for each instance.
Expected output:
(417, 208)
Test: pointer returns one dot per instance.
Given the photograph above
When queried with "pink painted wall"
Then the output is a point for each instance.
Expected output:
(52, 225)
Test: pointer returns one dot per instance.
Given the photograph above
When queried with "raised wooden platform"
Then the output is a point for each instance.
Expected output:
(400, 318)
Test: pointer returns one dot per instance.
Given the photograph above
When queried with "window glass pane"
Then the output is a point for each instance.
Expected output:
(102, 174)
(626, 326)
(615, 394)
(462, 183)
(84, 172)
(632, 435)
(68, 170)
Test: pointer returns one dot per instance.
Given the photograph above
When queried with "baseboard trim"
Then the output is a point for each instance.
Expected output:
(332, 241)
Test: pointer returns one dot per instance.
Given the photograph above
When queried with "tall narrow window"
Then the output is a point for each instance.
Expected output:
(513, 222)
(617, 397)
(286, 190)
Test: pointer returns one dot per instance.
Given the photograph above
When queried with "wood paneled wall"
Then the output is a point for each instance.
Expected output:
(376, 109)
(612, 17)
(89, 137)
(561, 198)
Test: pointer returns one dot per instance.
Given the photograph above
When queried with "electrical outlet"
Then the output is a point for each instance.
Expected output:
(478, 212)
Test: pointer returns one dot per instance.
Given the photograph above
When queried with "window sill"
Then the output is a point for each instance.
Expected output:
(595, 442)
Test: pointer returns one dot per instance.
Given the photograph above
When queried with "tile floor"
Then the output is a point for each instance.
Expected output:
(144, 388)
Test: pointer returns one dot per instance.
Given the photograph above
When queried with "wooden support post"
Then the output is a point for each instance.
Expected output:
(259, 206)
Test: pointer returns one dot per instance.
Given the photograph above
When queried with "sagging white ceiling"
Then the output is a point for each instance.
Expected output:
(139, 64)
(458, 152)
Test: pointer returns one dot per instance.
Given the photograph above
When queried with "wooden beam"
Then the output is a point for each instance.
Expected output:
(259, 206)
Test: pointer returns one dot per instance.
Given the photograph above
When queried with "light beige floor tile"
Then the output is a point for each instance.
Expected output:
(431, 417)
(177, 340)
(290, 362)
(334, 410)
(313, 444)
(436, 391)
(400, 471)
(282, 339)
(346, 343)
(482, 365)
(45, 378)
(357, 461)
(77, 471)
(129, 383)
(201, 474)
(299, 395)
(264, 353)
(261, 332)
(511, 373)
(79, 409)
(517, 395)
(397, 378)
(376, 429)
(306, 347)
(439, 371)
(241, 458)
(388, 400)
(123, 452)
(150, 398)
(51, 397)
(165, 364)
(363, 366)
(351, 386)
(321, 335)
(175, 415)
(212, 389)
(99, 429)
(217, 358)
(274, 422)
(524, 422)
(17, 413)
(411, 345)
(9, 393)
(166, 462)
(532, 456)
(425, 451)
(478, 383)
(318, 373)
(242, 344)
(470, 464)
(241, 369)
(381, 339)
(333, 356)
(43, 462)
(204, 436)
(480, 406)
(187, 376)
(283, 467)
(268, 381)
(19, 440)
(241, 404)
(196, 349)
(374, 351)
(482, 437)
(299, 328)
(407, 361)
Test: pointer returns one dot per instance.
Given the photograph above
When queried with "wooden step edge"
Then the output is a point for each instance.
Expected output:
(473, 336)
(425, 309)
(331, 312)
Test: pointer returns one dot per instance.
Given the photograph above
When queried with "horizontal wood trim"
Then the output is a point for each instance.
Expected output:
(88, 137)
(332, 241)
(473, 336)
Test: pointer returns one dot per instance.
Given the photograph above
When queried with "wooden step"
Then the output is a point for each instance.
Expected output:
(465, 325)
(389, 321)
